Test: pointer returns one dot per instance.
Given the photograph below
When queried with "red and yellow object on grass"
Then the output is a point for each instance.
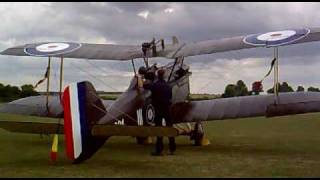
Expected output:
(54, 148)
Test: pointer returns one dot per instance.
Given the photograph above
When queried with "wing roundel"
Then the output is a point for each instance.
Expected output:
(51, 49)
(276, 38)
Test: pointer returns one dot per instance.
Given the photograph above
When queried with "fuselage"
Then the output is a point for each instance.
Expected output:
(134, 98)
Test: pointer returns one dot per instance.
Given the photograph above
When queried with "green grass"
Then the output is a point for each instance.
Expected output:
(253, 147)
(110, 97)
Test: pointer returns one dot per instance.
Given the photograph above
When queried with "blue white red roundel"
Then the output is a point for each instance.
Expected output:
(276, 38)
(50, 49)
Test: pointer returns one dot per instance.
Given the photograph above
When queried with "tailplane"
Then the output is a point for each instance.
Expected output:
(82, 109)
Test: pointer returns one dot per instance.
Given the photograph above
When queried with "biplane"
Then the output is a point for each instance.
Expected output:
(88, 121)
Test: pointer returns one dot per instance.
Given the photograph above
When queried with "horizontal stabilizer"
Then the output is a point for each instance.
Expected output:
(31, 127)
(141, 131)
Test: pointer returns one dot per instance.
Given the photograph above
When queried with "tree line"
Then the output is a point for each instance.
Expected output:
(240, 89)
(10, 93)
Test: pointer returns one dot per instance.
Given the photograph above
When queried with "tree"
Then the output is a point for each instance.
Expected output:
(1, 91)
(271, 90)
(239, 89)
(230, 91)
(27, 90)
(284, 87)
(300, 89)
(10, 93)
(313, 89)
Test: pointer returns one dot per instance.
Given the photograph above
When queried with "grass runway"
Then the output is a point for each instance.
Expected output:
(286, 146)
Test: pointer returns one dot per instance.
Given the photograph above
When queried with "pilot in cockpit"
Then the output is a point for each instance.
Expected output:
(146, 75)
(141, 76)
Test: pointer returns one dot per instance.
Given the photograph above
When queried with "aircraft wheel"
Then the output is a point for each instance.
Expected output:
(144, 140)
(197, 134)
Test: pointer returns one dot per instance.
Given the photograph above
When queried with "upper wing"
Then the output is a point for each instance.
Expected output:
(269, 39)
(77, 50)
(128, 52)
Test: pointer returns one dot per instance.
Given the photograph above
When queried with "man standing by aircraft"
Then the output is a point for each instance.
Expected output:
(161, 100)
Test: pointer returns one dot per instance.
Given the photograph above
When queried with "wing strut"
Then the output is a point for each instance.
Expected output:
(48, 84)
(54, 148)
(61, 78)
(134, 68)
(276, 75)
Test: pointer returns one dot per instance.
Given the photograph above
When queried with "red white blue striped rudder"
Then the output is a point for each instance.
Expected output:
(82, 109)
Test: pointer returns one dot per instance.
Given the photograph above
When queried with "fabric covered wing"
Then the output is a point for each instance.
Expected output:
(268, 39)
(128, 52)
(29, 115)
(77, 50)
(36, 106)
(248, 106)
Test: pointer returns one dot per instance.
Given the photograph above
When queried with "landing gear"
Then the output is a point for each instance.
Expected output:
(144, 140)
(198, 135)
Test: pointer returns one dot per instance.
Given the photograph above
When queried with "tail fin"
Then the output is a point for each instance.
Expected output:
(82, 109)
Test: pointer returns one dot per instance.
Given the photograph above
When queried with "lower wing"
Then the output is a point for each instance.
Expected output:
(194, 111)
(37, 106)
(247, 106)
(32, 115)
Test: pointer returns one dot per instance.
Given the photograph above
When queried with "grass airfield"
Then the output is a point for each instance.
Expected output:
(287, 146)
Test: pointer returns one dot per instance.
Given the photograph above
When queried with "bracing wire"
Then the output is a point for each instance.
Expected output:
(91, 75)
(105, 112)
(117, 110)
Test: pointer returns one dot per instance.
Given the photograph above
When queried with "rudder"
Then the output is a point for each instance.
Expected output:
(82, 109)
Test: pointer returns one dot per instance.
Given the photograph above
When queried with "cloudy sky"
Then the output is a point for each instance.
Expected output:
(134, 23)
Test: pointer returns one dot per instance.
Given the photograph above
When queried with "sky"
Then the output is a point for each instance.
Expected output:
(137, 22)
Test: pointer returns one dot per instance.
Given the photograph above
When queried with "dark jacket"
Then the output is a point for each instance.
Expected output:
(161, 94)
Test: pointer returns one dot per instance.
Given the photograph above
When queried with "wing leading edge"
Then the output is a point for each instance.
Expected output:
(128, 52)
